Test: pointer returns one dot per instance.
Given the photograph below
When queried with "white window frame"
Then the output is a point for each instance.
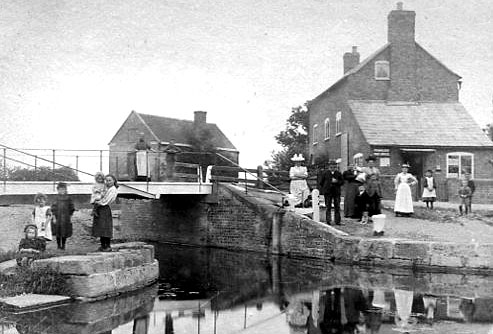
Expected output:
(338, 123)
(358, 159)
(315, 141)
(327, 128)
(460, 155)
(380, 63)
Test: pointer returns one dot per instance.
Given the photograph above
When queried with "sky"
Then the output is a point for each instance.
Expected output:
(71, 71)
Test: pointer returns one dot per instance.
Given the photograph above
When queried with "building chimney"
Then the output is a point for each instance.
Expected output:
(351, 59)
(401, 25)
(199, 117)
(401, 37)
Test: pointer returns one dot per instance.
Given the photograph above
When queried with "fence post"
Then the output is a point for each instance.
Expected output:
(246, 184)
(260, 177)
(316, 205)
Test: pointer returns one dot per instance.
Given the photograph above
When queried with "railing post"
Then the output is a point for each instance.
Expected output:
(4, 170)
(116, 168)
(246, 184)
(147, 170)
(101, 160)
(53, 170)
(316, 205)
(77, 165)
(35, 167)
(260, 177)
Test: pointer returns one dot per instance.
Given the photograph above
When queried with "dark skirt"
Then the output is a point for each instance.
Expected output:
(351, 189)
(102, 223)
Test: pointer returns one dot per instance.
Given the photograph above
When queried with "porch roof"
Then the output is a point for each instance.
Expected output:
(423, 124)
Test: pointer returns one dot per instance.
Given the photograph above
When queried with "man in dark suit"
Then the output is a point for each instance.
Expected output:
(329, 185)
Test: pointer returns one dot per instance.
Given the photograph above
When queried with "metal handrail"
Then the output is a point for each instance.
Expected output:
(255, 176)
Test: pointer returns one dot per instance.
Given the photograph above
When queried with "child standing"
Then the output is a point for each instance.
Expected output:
(429, 189)
(465, 197)
(374, 190)
(472, 186)
(42, 217)
(62, 209)
(30, 247)
(98, 190)
(362, 204)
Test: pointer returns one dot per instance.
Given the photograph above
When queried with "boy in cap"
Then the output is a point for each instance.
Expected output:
(62, 209)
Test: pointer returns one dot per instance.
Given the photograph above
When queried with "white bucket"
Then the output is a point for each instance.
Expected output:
(378, 222)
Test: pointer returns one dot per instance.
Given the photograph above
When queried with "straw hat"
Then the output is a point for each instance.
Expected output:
(297, 157)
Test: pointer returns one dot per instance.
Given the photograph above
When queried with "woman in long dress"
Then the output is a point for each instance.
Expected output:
(403, 198)
(298, 175)
(102, 224)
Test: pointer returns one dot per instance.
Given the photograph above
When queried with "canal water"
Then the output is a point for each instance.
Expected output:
(213, 291)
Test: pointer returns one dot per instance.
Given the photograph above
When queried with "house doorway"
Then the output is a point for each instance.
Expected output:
(417, 162)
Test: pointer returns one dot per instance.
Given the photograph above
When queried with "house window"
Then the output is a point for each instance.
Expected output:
(358, 159)
(382, 70)
(327, 129)
(459, 163)
(315, 135)
(338, 123)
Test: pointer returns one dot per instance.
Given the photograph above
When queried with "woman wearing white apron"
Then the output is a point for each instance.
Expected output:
(403, 198)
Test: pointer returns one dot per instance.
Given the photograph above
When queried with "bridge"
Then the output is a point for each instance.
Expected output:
(188, 178)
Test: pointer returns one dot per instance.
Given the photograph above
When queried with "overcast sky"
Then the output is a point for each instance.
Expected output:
(71, 71)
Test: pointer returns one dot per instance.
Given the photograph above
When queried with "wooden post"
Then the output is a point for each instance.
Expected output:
(36, 167)
(260, 177)
(4, 170)
(101, 160)
(316, 205)
(77, 165)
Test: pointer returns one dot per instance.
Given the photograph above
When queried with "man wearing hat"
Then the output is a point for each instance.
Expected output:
(329, 185)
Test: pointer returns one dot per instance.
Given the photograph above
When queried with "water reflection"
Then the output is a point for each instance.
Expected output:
(207, 291)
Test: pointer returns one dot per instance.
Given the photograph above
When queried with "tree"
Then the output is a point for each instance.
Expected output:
(42, 173)
(293, 139)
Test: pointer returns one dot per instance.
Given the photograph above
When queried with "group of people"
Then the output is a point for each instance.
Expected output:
(363, 190)
(55, 220)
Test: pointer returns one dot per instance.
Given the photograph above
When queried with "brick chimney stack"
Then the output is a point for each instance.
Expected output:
(351, 59)
(401, 36)
(199, 118)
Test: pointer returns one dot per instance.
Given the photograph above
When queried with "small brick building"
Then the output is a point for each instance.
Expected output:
(158, 132)
(402, 105)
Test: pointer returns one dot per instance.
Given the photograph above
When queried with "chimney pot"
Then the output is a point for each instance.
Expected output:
(355, 50)
(351, 59)
(399, 5)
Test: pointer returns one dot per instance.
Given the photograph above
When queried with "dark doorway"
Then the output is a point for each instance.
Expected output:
(417, 162)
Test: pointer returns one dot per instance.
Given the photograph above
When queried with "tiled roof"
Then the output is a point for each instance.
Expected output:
(166, 128)
(417, 124)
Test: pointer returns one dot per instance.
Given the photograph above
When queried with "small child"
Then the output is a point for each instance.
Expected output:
(429, 189)
(362, 204)
(472, 186)
(98, 190)
(62, 209)
(465, 197)
(30, 247)
(42, 217)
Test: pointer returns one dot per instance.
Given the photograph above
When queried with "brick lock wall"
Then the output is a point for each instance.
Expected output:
(235, 223)
(177, 218)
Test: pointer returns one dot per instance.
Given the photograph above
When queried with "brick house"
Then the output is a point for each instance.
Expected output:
(159, 132)
(402, 105)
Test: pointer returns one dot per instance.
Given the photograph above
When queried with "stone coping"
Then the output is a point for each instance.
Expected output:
(32, 301)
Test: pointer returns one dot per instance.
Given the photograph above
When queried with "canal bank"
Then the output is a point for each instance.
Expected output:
(252, 220)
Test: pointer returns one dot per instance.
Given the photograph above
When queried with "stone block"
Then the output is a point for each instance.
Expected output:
(416, 252)
(110, 283)
(369, 248)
